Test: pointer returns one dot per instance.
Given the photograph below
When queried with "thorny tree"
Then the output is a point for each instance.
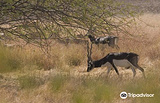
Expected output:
(39, 21)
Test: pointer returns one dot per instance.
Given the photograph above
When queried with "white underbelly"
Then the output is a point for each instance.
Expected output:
(122, 63)
(118, 63)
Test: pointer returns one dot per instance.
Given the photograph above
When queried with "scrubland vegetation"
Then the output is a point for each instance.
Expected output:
(27, 75)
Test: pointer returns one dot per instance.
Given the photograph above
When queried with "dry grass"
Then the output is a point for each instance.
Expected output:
(27, 75)
(65, 88)
(9, 62)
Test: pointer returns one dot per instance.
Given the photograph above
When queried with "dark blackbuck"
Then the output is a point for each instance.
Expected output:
(114, 60)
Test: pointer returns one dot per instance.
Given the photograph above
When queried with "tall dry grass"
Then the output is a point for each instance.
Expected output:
(9, 61)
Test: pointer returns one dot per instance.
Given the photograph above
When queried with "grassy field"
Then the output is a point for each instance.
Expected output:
(28, 76)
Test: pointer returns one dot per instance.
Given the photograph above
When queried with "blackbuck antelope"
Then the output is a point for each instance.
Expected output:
(110, 40)
(127, 60)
